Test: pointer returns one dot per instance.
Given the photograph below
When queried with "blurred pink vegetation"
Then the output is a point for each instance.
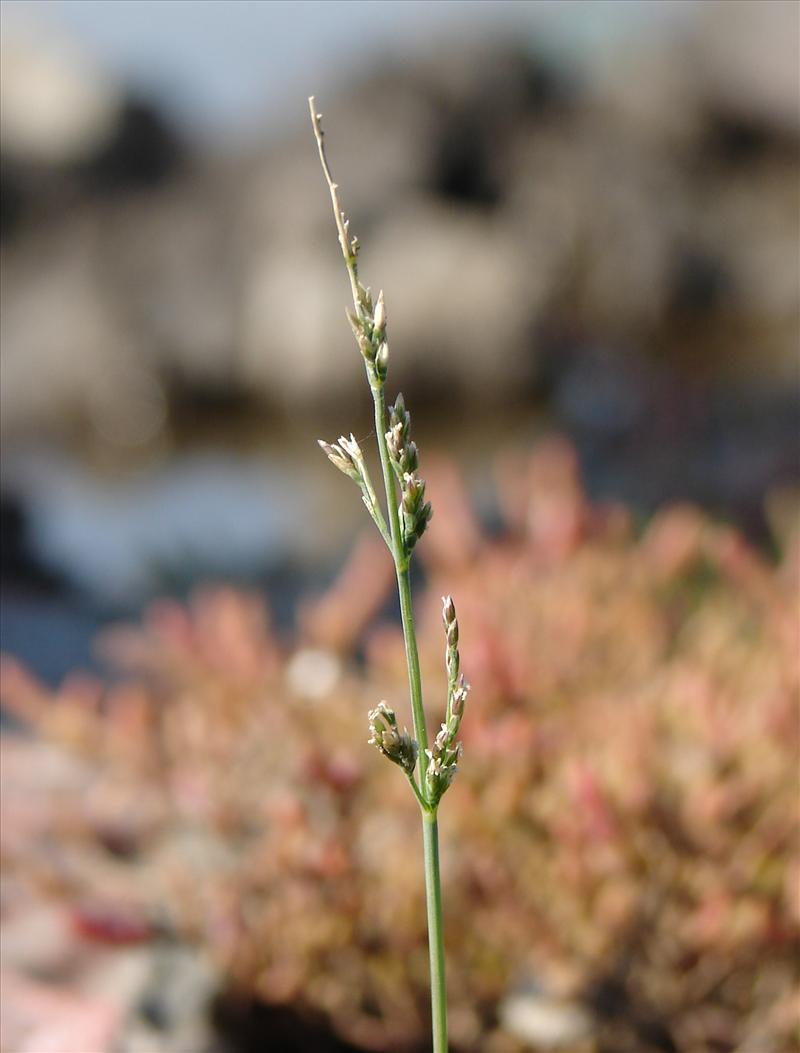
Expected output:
(625, 817)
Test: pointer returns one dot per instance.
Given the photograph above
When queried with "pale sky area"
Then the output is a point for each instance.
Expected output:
(227, 67)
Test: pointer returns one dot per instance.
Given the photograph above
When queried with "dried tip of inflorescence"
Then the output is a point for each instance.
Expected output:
(387, 738)
(369, 335)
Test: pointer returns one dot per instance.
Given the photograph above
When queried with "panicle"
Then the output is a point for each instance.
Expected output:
(410, 519)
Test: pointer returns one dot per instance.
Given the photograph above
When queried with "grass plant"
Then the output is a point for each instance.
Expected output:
(429, 770)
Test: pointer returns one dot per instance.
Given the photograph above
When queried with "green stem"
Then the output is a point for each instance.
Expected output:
(417, 792)
(412, 662)
(374, 508)
(430, 826)
(433, 894)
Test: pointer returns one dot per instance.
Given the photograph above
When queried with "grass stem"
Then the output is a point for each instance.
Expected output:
(433, 894)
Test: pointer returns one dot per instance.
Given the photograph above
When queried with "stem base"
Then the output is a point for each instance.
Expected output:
(433, 895)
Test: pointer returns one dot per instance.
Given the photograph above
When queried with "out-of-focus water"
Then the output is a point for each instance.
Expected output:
(93, 544)
(120, 538)
(91, 541)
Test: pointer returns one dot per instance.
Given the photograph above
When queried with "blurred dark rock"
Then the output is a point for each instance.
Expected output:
(142, 150)
(252, 1027)
(747, 56)
(462, 164)
(19, 561)
(698, 282)
(11, 199)
(68, 131)
(478, 118)
(734, 139)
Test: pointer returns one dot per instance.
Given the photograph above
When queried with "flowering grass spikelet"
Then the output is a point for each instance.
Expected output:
(387, 738)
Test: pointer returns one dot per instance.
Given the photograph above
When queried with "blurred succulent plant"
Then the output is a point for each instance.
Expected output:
(624, 838)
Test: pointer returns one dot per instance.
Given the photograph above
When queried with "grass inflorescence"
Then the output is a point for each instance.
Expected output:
(429, 770)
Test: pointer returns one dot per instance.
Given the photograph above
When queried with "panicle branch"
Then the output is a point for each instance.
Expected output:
(346, 455)
(445, 754)
(415, 511)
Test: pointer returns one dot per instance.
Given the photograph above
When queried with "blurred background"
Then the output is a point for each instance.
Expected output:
(585, 216)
